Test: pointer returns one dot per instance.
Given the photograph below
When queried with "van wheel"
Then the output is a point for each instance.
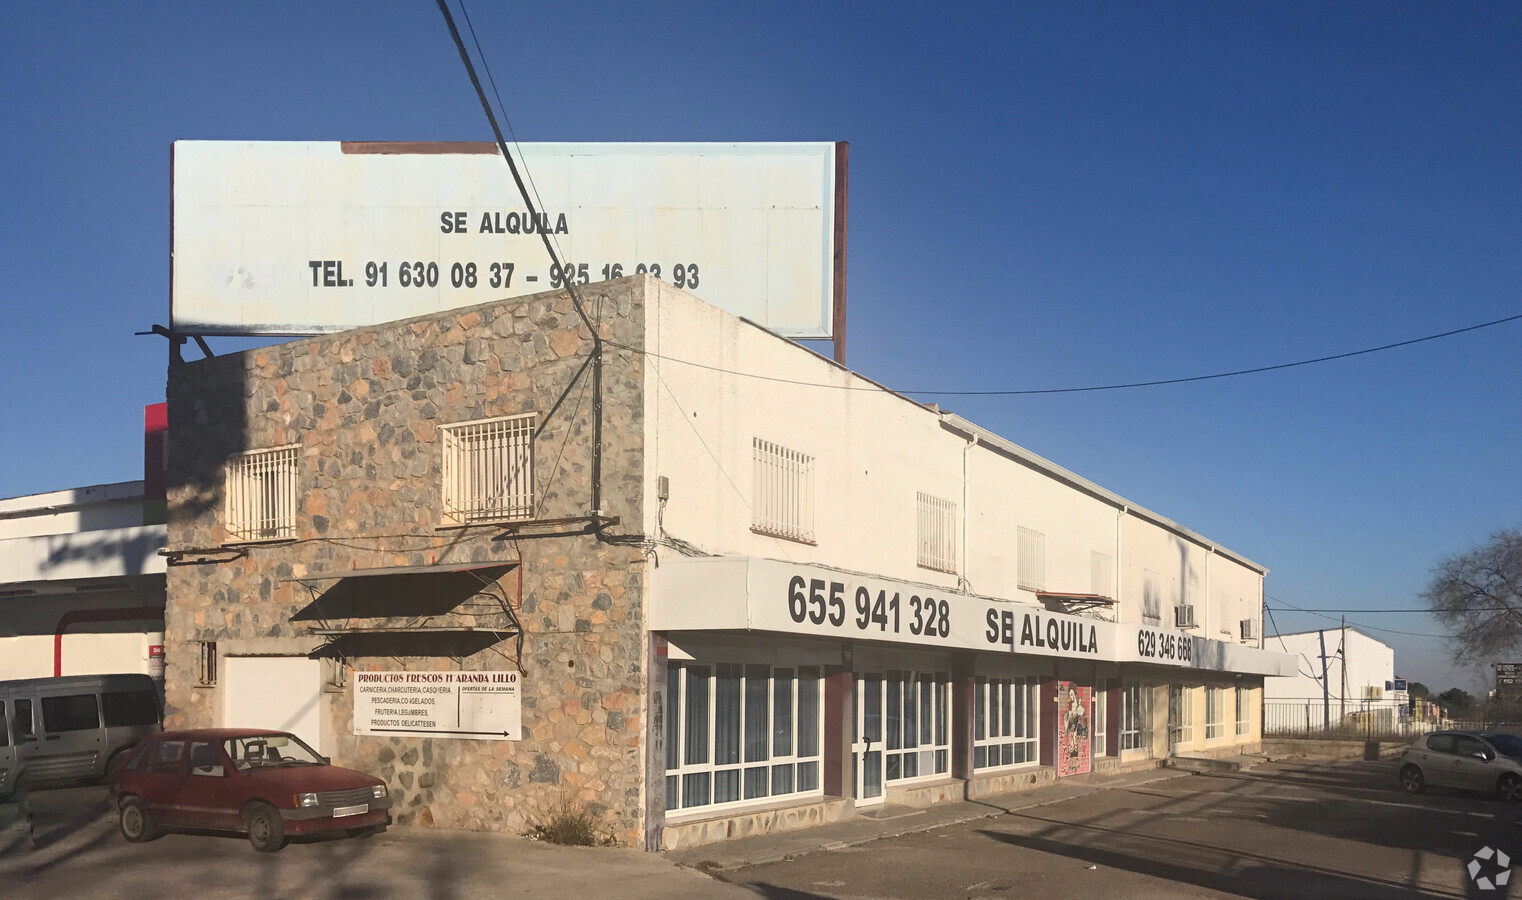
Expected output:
(136, 823)
(266, 831)
(1411, 779)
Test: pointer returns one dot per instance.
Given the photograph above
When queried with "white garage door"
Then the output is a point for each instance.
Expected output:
(283, 693)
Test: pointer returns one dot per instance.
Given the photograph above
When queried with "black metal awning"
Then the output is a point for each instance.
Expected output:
(408, 571)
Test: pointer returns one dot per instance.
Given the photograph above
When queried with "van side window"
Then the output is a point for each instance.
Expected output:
(129, 708)
(5, 731)
(73, 712)
(26, 730)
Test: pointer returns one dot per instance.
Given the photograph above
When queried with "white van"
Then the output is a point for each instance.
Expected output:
(72, 728)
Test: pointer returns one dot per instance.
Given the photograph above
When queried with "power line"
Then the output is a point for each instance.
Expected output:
(1295, 608)
(1412, 609)
(1075, 390)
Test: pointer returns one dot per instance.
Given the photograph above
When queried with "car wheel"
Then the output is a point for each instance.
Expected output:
(266, 831)
(136, 823)
(1509, 786)
(1411, 779)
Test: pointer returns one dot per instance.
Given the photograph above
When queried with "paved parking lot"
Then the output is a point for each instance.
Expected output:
(1281, 830)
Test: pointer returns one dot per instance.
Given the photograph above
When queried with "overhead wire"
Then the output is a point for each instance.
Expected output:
(1074, 390)
(1294, 608)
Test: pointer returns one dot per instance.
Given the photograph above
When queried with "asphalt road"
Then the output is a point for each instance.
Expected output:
(1282, 830)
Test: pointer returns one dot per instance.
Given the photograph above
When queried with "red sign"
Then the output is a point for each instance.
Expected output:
(1073, 728)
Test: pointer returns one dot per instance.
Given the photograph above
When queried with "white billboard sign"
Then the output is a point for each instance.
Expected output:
(485, 706)
(309, 237)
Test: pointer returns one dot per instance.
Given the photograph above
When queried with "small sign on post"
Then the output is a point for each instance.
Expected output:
(483, 706)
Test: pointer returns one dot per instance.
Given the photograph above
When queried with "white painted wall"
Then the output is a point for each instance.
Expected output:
(873, 451)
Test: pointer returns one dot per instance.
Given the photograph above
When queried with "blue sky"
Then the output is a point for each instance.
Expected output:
(1042, 196)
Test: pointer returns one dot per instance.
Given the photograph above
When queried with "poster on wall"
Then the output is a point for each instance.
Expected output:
(483, 706)
(1072, 728)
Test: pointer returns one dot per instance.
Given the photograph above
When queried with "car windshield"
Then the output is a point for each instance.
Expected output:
(268, 751)
(1509, 744)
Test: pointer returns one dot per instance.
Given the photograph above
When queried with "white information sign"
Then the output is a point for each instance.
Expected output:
(484, 706)
(308, 237)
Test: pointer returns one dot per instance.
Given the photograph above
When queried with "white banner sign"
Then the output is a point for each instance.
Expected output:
(484, 706)
(308, 237)
(748, 593)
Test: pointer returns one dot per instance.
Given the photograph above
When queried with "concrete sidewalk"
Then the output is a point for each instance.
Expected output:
(892, 821)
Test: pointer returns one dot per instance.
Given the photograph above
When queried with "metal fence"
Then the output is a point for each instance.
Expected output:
(1366, 720)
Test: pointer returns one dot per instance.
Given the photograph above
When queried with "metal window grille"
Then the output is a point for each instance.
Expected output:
(1183, 616)
(261, 494)
(206, 663)
(1032, 560)
(489, 470)
(1215, 703)
(937, 533)
(783, 491)
(1249, 629)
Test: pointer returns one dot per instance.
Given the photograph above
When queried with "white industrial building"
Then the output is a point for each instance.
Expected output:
(1343, 674)
(81, 576)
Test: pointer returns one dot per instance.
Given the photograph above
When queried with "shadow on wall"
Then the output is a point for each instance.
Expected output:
(134, 552)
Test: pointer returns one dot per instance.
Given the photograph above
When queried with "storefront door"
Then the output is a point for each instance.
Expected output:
(867, 738)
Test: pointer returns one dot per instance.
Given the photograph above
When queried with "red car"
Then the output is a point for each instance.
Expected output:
(266, 784)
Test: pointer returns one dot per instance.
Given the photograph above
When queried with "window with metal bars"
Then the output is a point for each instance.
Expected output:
(937, 533)
(1244, 699)
(261, 494)
(782, 483)
(489, 470)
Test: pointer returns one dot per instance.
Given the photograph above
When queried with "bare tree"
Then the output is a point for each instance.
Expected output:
(1478, 596)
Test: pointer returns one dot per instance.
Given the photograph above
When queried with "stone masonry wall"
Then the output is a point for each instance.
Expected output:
(365, 408)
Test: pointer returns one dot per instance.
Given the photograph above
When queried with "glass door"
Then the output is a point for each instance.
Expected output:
(867, 738)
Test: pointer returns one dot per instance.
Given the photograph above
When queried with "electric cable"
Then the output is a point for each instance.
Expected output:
(1075, 390)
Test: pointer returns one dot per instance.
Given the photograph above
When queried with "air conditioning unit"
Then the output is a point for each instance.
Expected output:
(1249, 630)
(1183, 616)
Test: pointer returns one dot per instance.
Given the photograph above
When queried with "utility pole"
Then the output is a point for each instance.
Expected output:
(1326, 701)
(1342, 651)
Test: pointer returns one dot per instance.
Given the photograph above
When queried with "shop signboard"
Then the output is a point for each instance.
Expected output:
(484, 706)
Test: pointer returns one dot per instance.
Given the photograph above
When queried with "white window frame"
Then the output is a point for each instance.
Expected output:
(676, 709)
(782, 492)
(1244, 703)
(1136, 717)
(1006, 722)
(261, 495)
(937, 749)
(1032, 559)
(1215, 709)
(488, 470)
(1181, 727)
(936, 533)
(1099, 716)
